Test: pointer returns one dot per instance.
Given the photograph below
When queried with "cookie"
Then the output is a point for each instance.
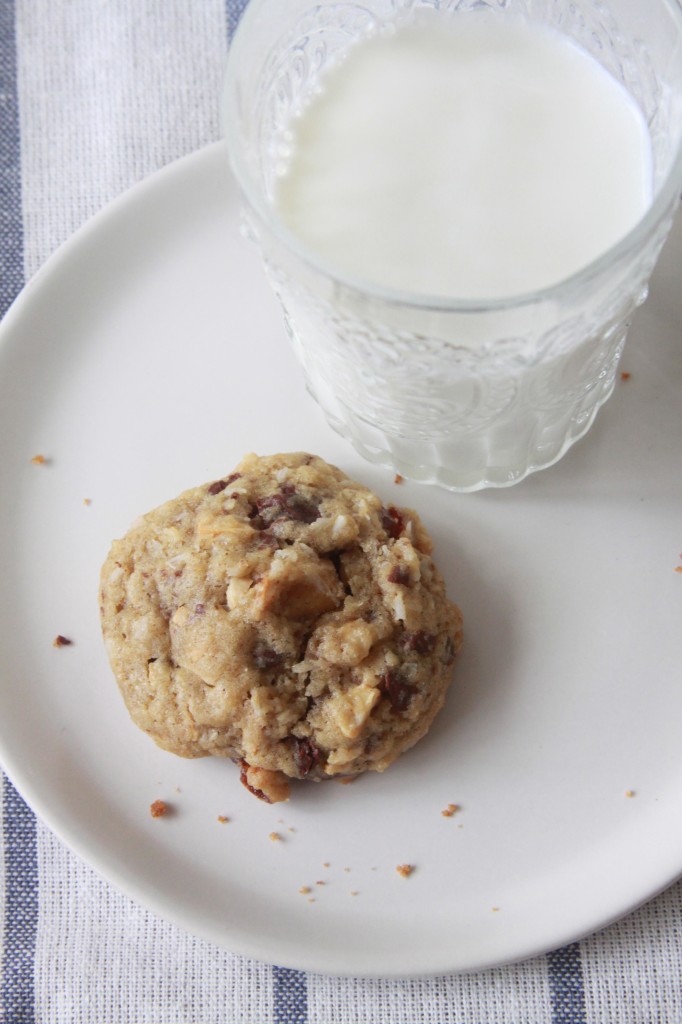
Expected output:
(284, 617)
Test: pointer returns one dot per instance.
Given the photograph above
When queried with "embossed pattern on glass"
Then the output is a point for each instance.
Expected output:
(465, 395)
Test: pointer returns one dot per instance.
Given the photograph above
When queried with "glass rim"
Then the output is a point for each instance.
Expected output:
(666, 198)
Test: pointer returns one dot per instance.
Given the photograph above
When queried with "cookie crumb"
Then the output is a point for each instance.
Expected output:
(311, 899)
(87, 501)
(39, 460)
(326, 864)
(405, 869)
(158, 809)
(320, 882)
(629, 793)
(678, 568)
(450, 810)
(62, 641)
(304, 890)
(495, 910)
(275, 837)
(625, 375)
(398, 479)
(354, 892)
(347, 870)
(223, 819)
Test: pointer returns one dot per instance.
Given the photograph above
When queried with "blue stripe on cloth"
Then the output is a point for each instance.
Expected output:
(290, 996)
(11, 228)
(21, 909)
(566, 985)
(21, 852)
(235, 9)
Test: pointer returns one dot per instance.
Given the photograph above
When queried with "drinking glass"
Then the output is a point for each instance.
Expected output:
(465, 394)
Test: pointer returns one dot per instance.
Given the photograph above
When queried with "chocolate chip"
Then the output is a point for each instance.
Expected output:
(397, 689)
(264, 656)
(306, 755)
(400, 574)
(392, 521)
(287, 504)
(256, 520)
(421, 642)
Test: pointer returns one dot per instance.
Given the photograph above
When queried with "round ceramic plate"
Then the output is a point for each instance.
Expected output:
(147, 357)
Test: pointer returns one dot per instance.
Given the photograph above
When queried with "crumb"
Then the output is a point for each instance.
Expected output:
(326, 864)
(405, 870)
(398, 479)
(450, 810)
(347, 870)
(495, 909)
(629, 793)
(354, 892)
(319, 882)
(346, 780)
(61, 641)
(39, 460)
(311, 899)
(275, 837)
(223, 819)
(87, 501)
(291, 829)
(158, 809)
(678, 568)
(625, 375)
(304, 890)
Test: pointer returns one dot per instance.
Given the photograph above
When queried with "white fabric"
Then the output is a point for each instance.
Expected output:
(109, 91)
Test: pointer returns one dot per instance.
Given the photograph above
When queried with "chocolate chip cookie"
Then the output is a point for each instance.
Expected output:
(281, 616)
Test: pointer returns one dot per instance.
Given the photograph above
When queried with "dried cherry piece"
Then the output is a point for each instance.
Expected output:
(400, 574)
(217, 487)
(392, 521)
(266, 540)
(306, 756)
(420, 641)
(243, 778)
(397, 689)
(220, 485)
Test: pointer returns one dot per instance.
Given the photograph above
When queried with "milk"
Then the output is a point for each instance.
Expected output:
(477, 158)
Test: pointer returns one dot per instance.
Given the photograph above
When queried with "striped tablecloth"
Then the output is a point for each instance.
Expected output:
(94, 95)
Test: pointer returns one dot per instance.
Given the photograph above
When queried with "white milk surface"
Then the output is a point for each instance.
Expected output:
(478, 159)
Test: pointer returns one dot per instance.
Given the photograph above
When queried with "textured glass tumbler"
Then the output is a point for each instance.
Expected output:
(465, 394)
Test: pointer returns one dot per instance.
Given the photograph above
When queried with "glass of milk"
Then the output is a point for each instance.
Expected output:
(459, 204)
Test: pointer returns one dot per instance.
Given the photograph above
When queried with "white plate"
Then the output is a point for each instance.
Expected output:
(147, 357)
